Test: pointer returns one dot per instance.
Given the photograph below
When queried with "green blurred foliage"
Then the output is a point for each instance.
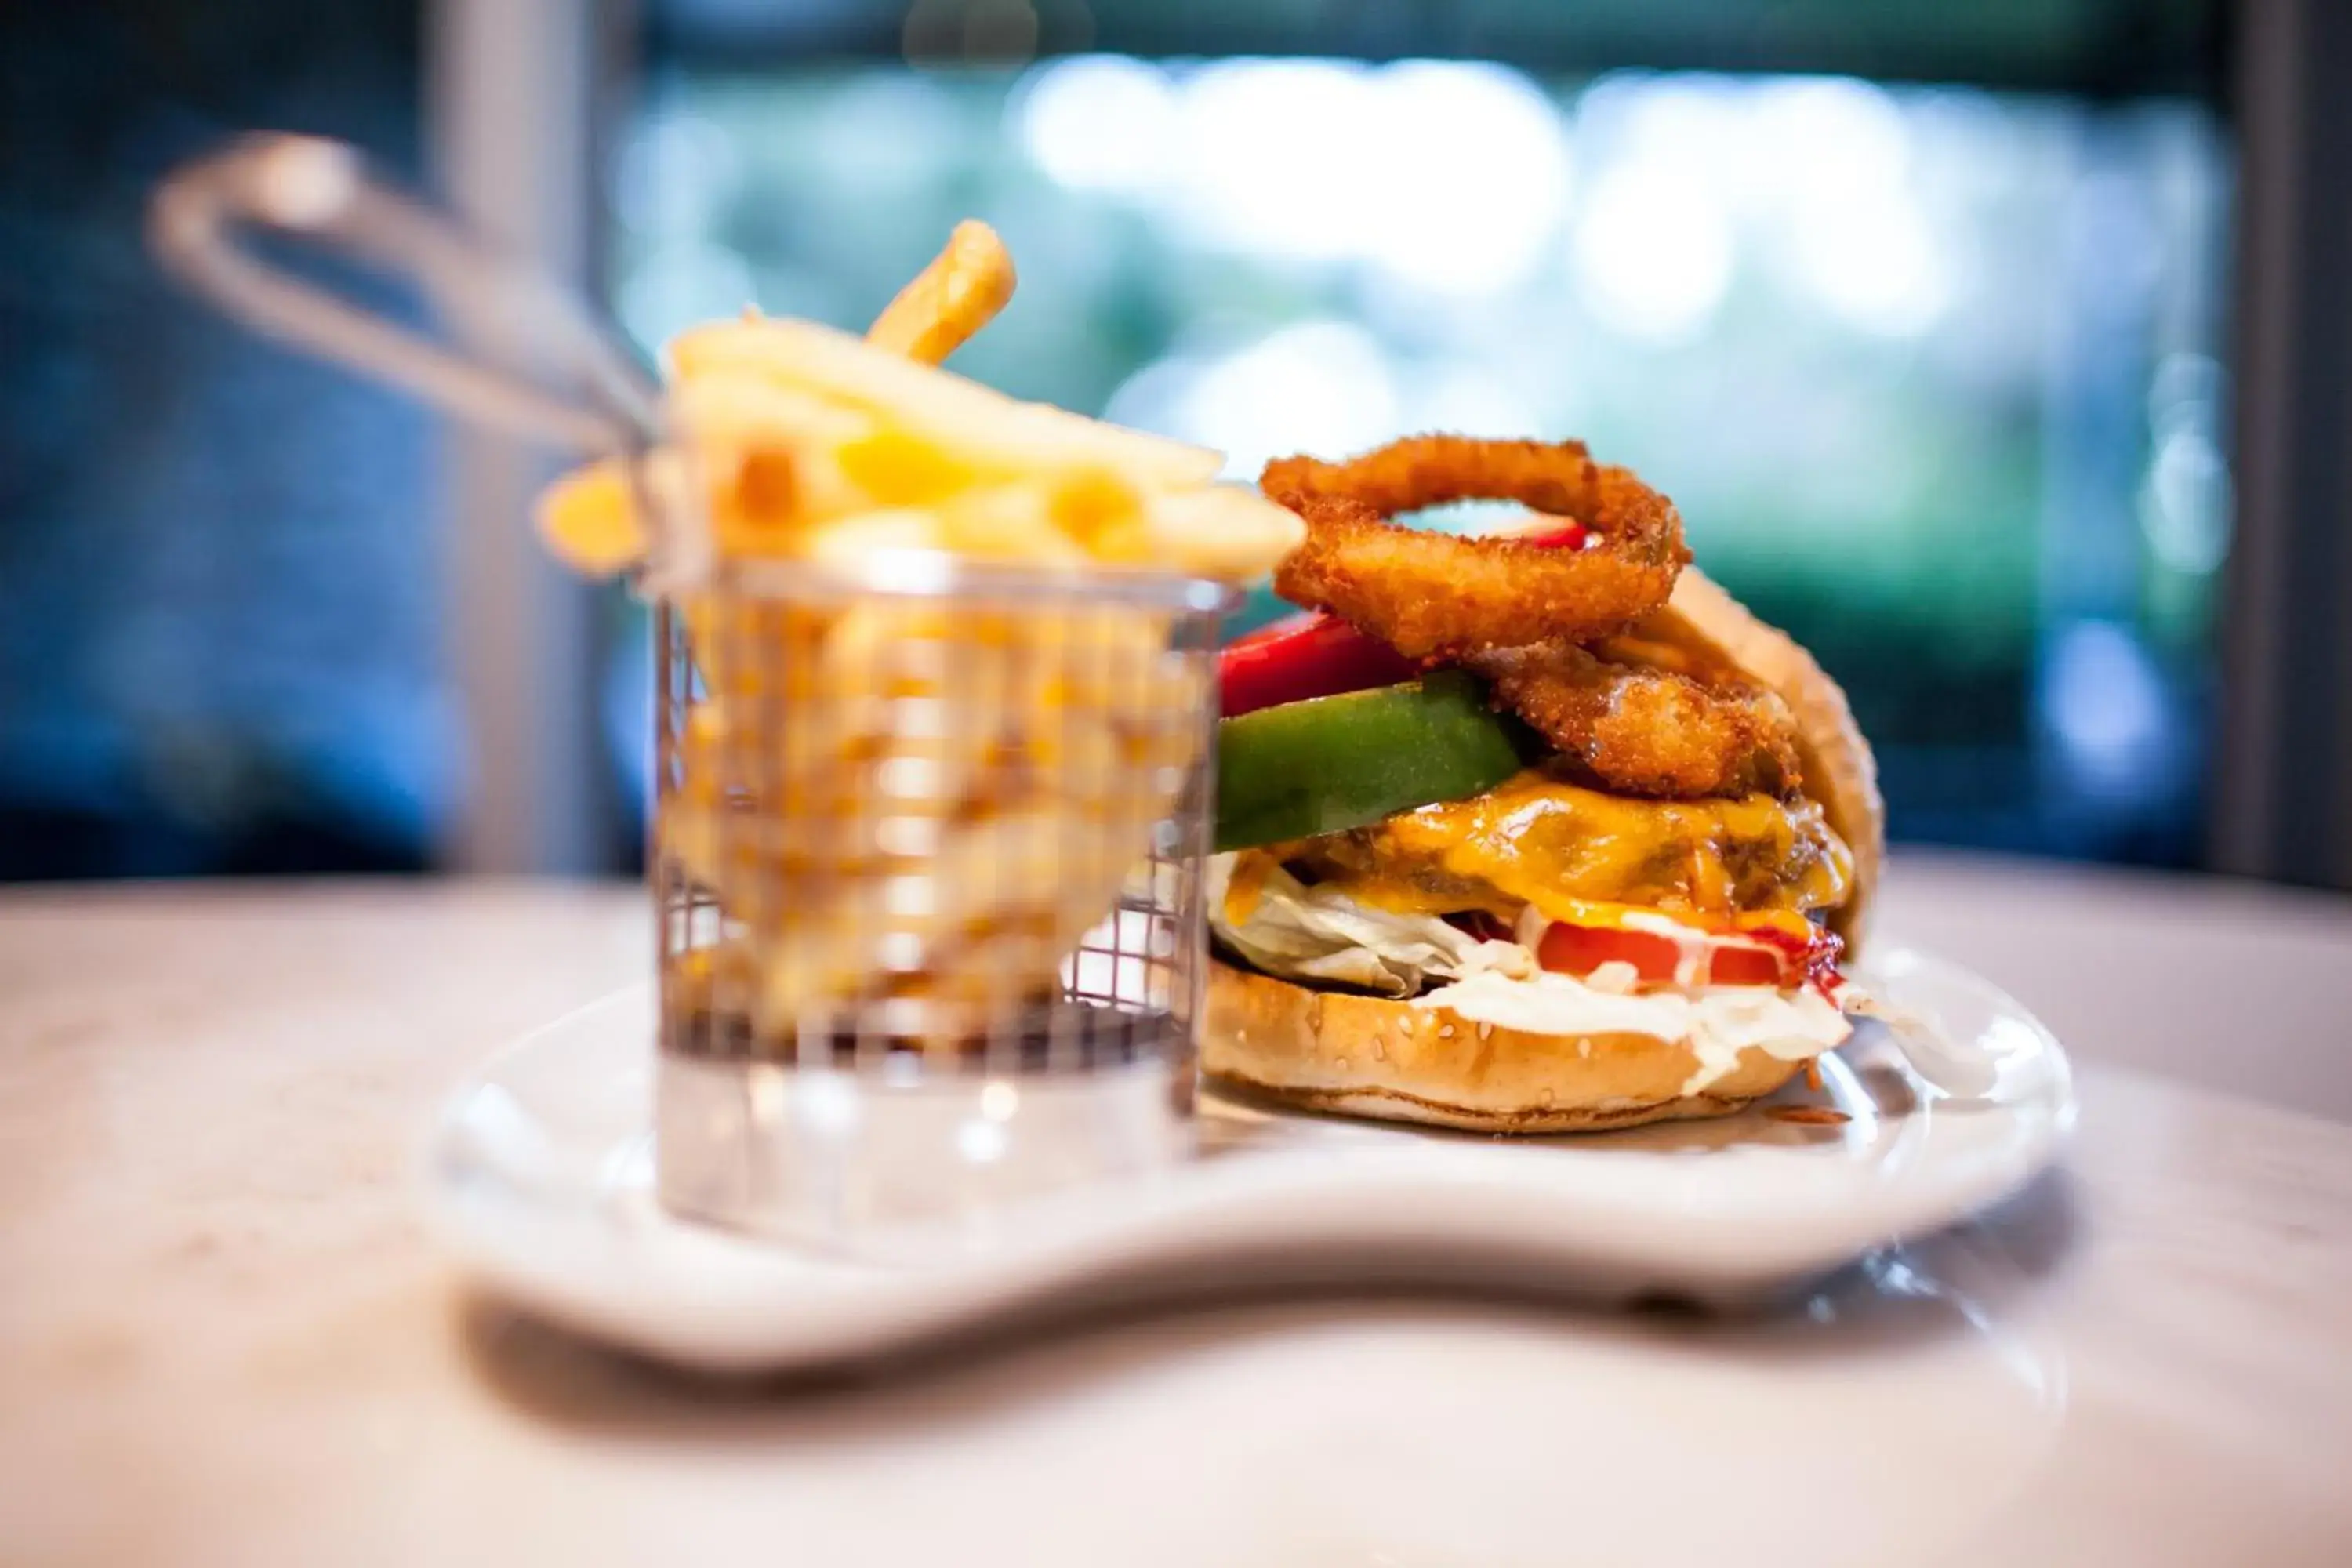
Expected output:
(1904, 378)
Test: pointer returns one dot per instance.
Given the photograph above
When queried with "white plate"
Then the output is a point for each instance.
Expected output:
(538, 1177)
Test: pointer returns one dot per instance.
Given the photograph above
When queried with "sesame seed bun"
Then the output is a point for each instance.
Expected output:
(1370, 1056)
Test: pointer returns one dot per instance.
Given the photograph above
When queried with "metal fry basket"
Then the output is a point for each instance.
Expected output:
(928, 835)
(927, 861)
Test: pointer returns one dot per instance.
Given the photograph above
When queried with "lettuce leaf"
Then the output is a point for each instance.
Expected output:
(1298, 932)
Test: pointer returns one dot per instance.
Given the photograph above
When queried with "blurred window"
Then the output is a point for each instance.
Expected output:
(216, 564)
(1930, 369)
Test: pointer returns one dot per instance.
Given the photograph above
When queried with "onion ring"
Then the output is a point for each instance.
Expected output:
(1549, 476)
(1641, 730)
(1437, 595)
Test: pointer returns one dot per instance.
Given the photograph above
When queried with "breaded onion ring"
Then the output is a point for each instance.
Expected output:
(1552, 477)
(1644, 730)
(1436, 596)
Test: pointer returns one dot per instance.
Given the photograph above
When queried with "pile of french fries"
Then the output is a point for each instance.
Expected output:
(807, 443)
(901, 798)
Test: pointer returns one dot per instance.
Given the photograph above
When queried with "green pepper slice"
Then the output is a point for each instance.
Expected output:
(1332, 762)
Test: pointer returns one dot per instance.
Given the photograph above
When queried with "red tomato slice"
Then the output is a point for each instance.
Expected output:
(1764, 958)
(1729, 964)
(1579, 950)
(1308, 655)
(1314, 654)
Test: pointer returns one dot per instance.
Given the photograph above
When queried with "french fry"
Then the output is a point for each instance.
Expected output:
(1012, 524)
(588, 521)
(733, 405)
(850, 540)
(1224, 531)
(727, 415)
(893, 468)
(982, 427)
(951, 300)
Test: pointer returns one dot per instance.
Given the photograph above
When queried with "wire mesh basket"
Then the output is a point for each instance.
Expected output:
(928, 857)
(928, 835)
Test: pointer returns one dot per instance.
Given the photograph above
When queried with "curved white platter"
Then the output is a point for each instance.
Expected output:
(538, 1177)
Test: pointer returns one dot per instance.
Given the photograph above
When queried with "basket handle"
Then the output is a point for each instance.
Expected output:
(586, 391)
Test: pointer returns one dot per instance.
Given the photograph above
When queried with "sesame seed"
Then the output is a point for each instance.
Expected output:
(1485, 1031)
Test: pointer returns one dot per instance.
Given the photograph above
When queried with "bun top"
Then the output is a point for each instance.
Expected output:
(1840, 772)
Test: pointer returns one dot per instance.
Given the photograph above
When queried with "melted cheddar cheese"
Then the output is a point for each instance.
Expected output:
(1579, 856)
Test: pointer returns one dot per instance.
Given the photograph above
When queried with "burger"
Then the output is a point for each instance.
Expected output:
(1527, 832)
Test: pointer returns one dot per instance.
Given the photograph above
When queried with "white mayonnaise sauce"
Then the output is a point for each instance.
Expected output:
(1716, 1022)
(1964, 1069)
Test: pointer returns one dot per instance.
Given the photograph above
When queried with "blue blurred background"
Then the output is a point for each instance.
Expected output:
(1923, 315)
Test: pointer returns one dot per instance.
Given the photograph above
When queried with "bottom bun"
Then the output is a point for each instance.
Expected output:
(1369, 1056)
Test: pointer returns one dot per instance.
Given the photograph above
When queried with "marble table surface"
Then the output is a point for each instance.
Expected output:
(223, 1338)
